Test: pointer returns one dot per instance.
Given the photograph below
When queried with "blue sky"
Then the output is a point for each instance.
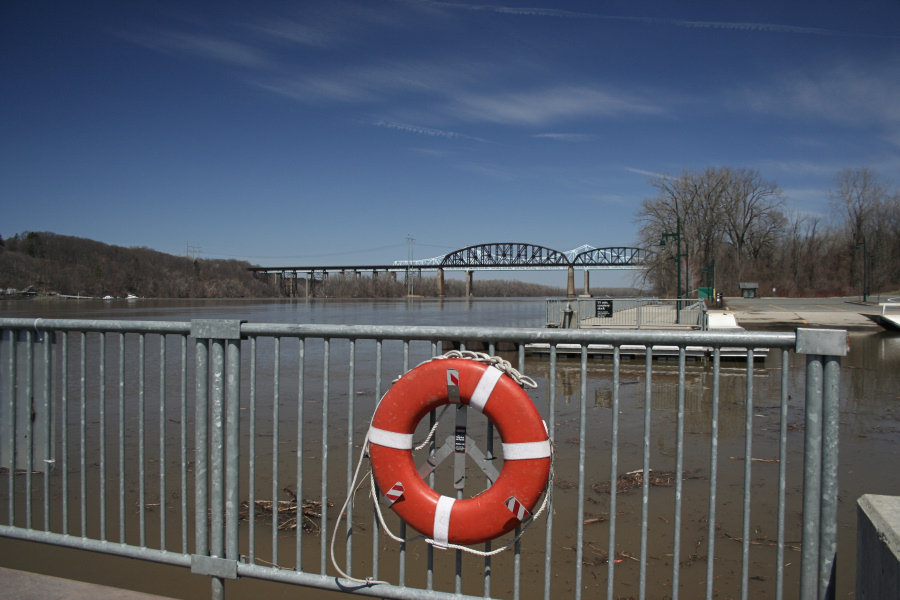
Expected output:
(328, 132)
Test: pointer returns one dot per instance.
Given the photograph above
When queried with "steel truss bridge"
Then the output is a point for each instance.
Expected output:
(483, 257)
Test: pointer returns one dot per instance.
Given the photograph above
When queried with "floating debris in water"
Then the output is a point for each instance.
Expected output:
(626, 482)
(286, 511)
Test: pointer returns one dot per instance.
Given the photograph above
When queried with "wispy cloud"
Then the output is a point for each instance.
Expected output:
(647, 173)
(490, 171)
(314, 89)
(379, 81)
(200, 45)
(331, 25)
(432, 91)
(801, 167)
(290, 31)
(567, 137)
(546, 106)
(847, 93)
(806, 195)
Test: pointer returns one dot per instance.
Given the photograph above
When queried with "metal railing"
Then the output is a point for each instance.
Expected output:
(210, 428)
(631, 313)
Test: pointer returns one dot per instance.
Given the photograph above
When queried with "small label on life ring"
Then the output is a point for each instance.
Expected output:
(460, 440)
(394, 493)
(453, 386)
(517, 508)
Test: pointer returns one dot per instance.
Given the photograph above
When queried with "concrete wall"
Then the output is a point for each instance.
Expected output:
(878, 547)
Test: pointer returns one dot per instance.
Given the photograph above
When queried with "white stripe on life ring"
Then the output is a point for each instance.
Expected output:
(442, 520)
(526, 450)
(485, 386)
(390, 439)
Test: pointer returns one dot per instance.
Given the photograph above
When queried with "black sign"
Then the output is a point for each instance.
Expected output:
(460, 440)
(603, 308)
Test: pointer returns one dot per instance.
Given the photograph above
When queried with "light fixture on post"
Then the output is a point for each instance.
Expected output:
(662, 244)
(709, 279)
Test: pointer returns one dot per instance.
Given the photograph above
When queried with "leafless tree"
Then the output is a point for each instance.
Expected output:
(751, 214)
(727, 215)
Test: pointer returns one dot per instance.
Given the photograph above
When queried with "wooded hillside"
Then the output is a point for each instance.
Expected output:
(61, 264)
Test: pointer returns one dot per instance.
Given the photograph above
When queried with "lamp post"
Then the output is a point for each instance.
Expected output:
(710, 271)
(662, 244)
(865, 280)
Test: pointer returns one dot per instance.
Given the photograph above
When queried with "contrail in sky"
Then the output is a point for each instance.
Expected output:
(554, 12)
(426, 131)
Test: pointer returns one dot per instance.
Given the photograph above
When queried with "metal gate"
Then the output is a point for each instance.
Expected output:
(230, 448)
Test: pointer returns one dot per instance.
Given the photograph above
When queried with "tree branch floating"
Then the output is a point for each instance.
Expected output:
(626, 482)
(286, 512)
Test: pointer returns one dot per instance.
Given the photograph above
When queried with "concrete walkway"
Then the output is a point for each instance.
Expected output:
(21, 585)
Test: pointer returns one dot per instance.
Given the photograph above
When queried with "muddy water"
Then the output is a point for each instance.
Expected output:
(870, 411)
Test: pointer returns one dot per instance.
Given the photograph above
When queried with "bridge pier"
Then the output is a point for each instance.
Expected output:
(469, 283)
(440, 278)
(587, 282)
(570, 283)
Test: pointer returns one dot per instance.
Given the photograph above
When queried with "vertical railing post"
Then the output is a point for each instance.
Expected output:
(830, 433)
(217, 446)
(823, 348)
(201, 449)
(232, 445)
(216, 460)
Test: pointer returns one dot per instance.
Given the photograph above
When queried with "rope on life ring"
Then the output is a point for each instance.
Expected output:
(491, 386)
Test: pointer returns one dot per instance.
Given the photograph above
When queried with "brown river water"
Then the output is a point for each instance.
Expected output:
(869, 457)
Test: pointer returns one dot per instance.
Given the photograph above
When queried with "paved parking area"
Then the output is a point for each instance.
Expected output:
(790, 313)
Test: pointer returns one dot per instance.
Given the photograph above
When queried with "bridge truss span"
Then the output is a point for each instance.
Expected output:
(510, 255)
(507, 256)
(611, 258)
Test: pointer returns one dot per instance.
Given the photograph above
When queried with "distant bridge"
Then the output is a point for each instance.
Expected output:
(483, 257)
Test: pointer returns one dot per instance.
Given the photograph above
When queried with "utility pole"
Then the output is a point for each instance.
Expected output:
(678, 257)
(411, 243)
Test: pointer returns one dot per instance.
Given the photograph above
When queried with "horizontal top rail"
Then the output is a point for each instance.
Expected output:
(529, 335)
(742, 339)
(105, 325)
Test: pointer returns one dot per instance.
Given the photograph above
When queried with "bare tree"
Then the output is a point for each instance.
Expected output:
(752, 217)
(727, 215)
(856, 196)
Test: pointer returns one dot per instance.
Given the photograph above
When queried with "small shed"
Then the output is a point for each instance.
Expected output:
(748, 290)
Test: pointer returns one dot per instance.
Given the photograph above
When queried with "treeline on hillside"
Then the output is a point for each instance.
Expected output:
(734, 226)
(67, 265)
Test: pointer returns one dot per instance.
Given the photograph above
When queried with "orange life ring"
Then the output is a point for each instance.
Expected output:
(526, 450)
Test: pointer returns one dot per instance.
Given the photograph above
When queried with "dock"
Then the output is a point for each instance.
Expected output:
(889, 317)
(634, 352)
(716, 321)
